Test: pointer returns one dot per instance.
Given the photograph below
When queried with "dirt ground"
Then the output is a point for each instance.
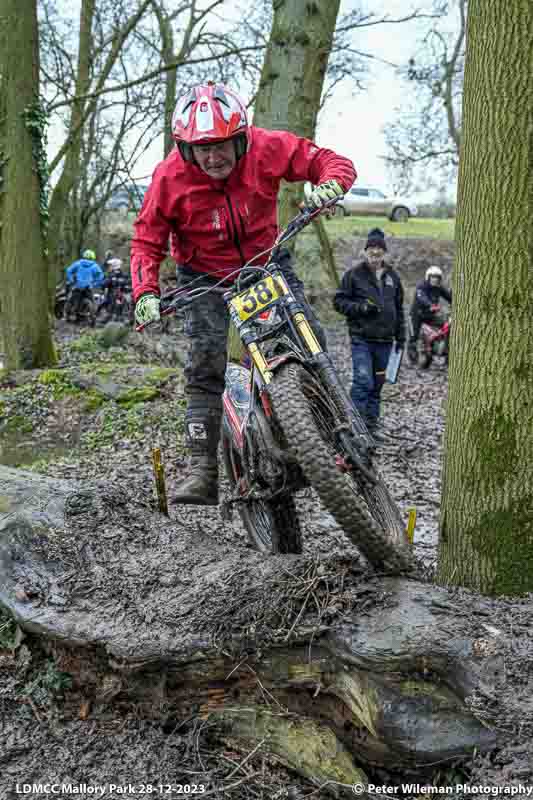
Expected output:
(46, 732)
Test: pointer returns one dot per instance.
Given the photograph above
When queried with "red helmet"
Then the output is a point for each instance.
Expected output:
(209, 113)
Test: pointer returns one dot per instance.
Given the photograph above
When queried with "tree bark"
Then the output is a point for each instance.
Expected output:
(322, 663)
(23, 309)
(291, 83)
(486, 536)
(59, 201)
(170, 75)
(83, 108)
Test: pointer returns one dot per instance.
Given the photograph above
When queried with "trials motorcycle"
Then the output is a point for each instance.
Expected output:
(289, 423)
(435, 341)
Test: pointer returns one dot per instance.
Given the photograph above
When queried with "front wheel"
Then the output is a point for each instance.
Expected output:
(273, 525)
(310, 424)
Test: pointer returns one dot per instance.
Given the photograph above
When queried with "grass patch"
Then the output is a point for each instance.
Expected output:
(112, 335)
(339, 227)
(93, 400)
(18, 423)
(159, 375)
(86, 343)
(141, 394)
(59, 381)
(8, 629)
(136, 422)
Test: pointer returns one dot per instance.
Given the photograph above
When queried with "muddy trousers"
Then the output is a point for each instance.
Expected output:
(418, 316)
(206, 327)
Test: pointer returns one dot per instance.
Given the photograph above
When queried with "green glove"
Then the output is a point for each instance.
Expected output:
(147, 309)
(324, 192)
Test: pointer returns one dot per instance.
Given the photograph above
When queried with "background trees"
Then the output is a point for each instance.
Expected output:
(23, 309)
(486, 539)
(132, 61)
(427, 130)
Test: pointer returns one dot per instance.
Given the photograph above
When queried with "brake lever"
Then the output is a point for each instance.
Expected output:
(171, 308)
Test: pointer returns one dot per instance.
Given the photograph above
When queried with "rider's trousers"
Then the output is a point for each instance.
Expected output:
(206, 327)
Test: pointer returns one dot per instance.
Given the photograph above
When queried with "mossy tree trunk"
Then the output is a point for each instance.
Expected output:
(486, 537)
(24, 318)
(83, 110)
(60, 212)
(292, 80)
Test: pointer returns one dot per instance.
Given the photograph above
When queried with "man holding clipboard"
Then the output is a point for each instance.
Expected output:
(371, 299)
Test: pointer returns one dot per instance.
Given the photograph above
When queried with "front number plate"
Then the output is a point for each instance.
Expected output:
(255, 299)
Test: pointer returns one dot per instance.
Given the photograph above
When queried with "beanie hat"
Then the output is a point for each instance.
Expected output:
(376, 238)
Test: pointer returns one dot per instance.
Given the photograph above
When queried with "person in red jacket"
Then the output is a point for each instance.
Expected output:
(215, 197)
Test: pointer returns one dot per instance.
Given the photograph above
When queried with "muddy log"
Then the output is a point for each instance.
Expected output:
(322, 663)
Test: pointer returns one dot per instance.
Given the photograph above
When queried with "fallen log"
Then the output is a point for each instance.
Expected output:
(328, 667)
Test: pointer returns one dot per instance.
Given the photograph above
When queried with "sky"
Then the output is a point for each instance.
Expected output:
(352, 121)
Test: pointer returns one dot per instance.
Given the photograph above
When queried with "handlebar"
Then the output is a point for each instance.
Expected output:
(182, 297)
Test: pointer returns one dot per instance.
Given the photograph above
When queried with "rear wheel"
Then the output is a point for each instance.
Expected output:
(87, 311)
(272, 525)
(310, 424)
(426, 360)
(412, 354)
(400, 214)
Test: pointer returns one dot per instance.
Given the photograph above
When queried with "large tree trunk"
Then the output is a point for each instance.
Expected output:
(292, 80)
(486, 537)
(60, 212)
(23, 309)
(321, 663)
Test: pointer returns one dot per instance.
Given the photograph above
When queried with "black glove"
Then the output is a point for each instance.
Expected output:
(400, 344)
(366, 308)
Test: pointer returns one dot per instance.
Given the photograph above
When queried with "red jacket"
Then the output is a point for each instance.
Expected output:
(216, 226)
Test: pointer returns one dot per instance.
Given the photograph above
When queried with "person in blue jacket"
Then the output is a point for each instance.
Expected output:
(83, 276)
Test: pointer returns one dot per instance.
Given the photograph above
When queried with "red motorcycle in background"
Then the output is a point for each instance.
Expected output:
(434, 339)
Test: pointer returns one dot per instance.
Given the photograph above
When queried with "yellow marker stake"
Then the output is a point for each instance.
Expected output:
(411, 522)
(159, 474)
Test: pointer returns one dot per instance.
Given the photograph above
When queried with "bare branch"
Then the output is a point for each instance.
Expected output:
(163, 68)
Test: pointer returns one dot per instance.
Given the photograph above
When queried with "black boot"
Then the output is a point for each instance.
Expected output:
(200, 488)
(202, 432)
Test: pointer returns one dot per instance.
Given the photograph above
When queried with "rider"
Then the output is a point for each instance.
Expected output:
(82, 277)
(215, 196)
(108, 258)
(426, 304)
(116, 280)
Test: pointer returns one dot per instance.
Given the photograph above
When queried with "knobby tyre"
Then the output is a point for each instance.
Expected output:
(366, 511)
(273, 525)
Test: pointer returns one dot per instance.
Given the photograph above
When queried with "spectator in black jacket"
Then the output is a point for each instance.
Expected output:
(371, 298)
(426, 305)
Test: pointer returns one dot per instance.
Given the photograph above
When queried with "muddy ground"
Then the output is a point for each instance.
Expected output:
(84, 422)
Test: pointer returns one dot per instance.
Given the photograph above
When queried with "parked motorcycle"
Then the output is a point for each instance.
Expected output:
(435, 339)
(289, 423)
(60, 300)
(86, 309)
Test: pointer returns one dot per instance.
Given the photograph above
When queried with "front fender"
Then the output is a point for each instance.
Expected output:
(278, 361)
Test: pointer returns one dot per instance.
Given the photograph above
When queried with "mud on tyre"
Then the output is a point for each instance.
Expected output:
(365, 510)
